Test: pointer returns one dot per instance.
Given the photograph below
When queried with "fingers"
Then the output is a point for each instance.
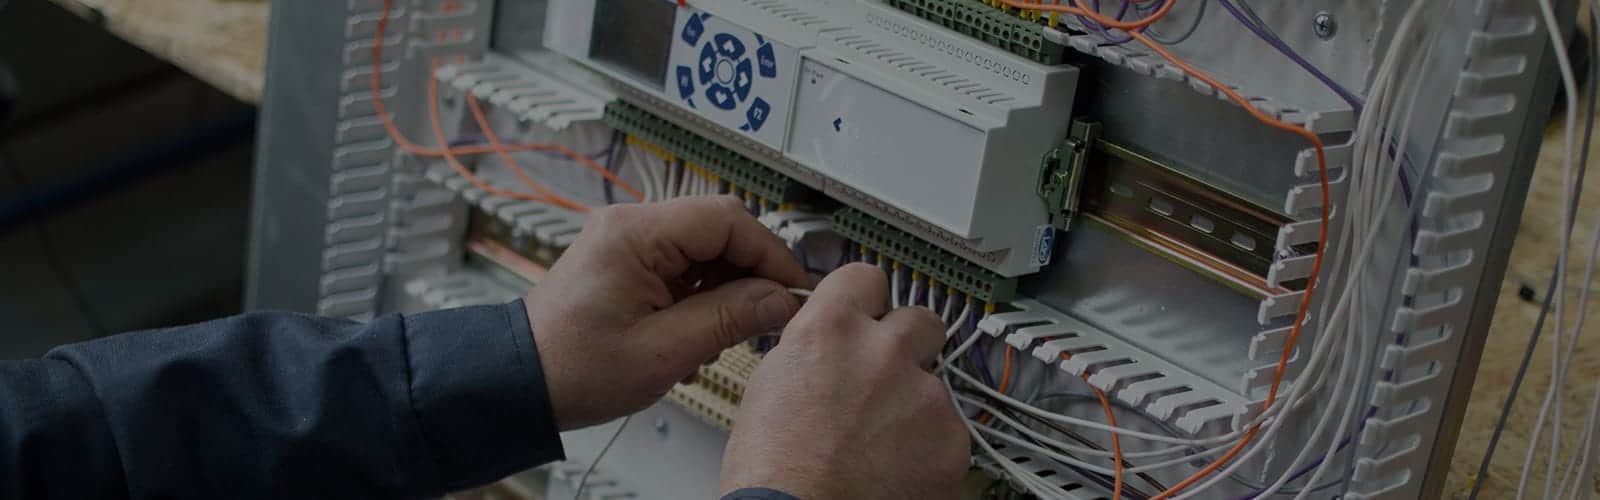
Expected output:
(702, 325)
(917, 332)
(860, 286)
(680, 232)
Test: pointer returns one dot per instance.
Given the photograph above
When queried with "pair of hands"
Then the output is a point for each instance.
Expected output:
(844, 407)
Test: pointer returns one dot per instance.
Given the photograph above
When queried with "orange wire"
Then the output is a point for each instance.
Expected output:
(1322, 231)
(382, 110)
(1076, 8)
(494, 139)
(1005, 380)
(450, 156)
(511, 163)
(1005, 375)
(1116, 438)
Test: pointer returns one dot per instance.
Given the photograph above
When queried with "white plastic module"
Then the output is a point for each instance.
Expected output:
(936, 125)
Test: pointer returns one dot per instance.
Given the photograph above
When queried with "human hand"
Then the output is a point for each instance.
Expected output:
(647, 294)
(844, 407)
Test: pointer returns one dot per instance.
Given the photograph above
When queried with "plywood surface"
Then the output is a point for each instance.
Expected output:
(1532, 262)
(220, 41)
(224, 43)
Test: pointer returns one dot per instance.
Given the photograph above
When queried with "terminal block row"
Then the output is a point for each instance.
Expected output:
(1018, 32)
(688, 146)
(930, 260)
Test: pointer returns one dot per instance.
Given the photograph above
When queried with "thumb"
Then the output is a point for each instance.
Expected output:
(703, 324)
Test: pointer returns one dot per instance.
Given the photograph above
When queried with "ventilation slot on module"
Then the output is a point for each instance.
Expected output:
(1020, 33)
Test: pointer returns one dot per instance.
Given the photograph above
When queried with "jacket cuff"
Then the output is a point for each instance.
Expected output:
(479, 394)
(758, 494)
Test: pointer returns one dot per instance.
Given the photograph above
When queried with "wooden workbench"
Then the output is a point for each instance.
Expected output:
(223, 42)
(220, 41)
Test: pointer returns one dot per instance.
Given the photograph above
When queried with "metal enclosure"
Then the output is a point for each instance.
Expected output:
(346, 224)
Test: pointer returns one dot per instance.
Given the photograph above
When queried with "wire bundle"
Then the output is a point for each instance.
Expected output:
(451, 153)
(1338, 339)
(1579, 472)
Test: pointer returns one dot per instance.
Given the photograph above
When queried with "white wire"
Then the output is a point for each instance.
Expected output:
(1189, 454)
(894, 288)
(1352, 285)
(1553, 391)
(1572, 346)
(1585, 476)
(1360, 203)
(584, 480)
(1029, 480)
(647, 179)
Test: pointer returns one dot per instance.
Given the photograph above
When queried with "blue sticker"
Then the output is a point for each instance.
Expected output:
(721, 97)
(757, 114)
(693, 29)
(767, 62)
(1045, 247)
(728, 45)
(742, 80)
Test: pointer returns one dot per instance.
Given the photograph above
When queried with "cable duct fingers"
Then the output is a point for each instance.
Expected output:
(1131, 374)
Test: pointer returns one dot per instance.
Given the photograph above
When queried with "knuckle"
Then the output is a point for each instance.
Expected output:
(920, 321)
(610, 216)
(829, 316)
(727, 329)
(864, 269)
(932, 391)
(729, 203)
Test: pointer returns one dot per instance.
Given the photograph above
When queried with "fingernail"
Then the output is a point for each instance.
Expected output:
(775, 309)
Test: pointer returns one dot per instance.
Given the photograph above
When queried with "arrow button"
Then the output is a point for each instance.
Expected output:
(729, 45)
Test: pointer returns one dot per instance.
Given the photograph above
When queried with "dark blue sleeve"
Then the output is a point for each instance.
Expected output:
(277, 405)
(757, 494)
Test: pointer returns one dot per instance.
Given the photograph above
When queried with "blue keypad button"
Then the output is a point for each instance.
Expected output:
(728, 45)
(757, 114)
(721, 97)
(742, 80)
(766, 61)
(693, 29)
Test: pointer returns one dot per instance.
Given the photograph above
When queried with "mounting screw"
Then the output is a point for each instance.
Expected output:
(661, 427)
(1325, 25)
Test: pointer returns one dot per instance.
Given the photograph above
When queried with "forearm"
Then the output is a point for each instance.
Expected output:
(279, 405)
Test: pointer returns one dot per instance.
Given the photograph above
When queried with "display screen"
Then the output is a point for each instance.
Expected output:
(634, 36)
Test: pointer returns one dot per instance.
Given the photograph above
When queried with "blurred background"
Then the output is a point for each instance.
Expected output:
(124, 184)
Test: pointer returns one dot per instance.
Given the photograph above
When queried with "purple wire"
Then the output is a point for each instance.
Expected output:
(1371, 410)
(1111, 38)
(1277, 43)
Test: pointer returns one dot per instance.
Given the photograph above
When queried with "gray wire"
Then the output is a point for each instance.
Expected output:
(1193, 26)
(1550, 291)
(583, 482)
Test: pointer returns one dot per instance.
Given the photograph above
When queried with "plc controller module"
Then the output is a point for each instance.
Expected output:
(1267, 236)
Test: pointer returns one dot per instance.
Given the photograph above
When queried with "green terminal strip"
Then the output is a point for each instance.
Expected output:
(923, 257)
(742, 172)
(1017, 32)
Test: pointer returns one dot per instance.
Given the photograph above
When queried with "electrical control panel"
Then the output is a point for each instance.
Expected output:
(834, 87)
(1252, 227)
